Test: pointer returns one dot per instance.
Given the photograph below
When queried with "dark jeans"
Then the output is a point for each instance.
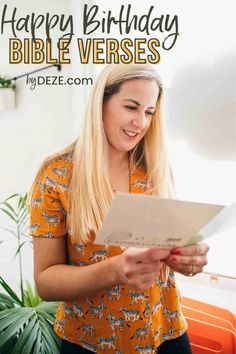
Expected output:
(180, 345)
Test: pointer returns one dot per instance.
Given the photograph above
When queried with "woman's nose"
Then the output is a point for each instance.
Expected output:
(139, 120)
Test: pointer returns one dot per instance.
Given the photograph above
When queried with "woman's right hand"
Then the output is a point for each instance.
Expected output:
(139, 267)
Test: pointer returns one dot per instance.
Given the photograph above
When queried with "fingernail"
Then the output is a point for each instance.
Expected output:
(176, 251)
(173, 259)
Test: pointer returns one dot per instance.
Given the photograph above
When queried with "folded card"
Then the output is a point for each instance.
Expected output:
(140, 220)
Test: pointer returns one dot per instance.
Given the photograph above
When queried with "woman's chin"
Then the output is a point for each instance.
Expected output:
(123, 148)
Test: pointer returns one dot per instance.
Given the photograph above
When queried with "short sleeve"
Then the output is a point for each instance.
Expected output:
(47, 216)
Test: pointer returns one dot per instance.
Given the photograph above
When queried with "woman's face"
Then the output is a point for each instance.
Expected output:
(127, 114)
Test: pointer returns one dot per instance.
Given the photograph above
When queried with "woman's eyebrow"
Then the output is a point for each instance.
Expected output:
(137, 103)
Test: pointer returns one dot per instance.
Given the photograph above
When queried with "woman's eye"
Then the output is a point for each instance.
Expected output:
(149, 113)
(131, 107)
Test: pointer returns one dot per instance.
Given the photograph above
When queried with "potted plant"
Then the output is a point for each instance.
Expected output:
(26, 322)
(7, 93)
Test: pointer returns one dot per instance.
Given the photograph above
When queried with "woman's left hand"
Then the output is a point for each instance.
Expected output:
(188, 260)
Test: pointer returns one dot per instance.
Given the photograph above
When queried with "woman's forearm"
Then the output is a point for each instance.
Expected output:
(63, 282)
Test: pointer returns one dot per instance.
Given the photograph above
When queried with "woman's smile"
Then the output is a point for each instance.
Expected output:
(130, 133)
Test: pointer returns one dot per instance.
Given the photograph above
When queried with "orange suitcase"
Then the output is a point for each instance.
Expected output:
(210, 309)
(211, 329)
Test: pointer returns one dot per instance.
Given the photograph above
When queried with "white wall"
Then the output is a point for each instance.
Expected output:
(45, 120)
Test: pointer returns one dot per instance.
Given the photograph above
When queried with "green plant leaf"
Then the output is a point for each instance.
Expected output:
(37, 297)
(9, 214)
(7, 347)
(10, 291)
(8, 230)
(27, 329)
(29, 293)
(50, 329)
(9, 206)
(49, 335)
(35, 338)
(27, 338)
(18, 249)
(47, 341)
(46, 315)
(31, 298)
(24, 217)
(38, 339)
(23, 211)
(50, 307)
(22, 201)
(36, 333)
(6, 300)
(13, 196)
(12, 321)
(8, 316)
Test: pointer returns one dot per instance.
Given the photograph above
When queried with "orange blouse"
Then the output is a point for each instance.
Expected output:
(117, 320)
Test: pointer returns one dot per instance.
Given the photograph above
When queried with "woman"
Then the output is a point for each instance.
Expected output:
(112, 299)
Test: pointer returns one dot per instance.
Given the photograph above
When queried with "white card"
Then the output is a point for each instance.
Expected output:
(138, 220)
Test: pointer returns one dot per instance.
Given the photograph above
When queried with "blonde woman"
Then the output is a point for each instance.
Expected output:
(112, 300)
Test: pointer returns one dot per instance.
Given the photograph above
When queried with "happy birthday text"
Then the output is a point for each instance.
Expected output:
(142, 37)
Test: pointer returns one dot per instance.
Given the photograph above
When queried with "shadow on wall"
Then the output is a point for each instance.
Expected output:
(200, 108)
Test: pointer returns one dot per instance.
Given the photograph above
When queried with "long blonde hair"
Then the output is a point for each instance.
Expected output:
(90, 190)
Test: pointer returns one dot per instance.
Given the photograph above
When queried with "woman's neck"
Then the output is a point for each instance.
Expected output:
(119, 172)
(118, 159)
